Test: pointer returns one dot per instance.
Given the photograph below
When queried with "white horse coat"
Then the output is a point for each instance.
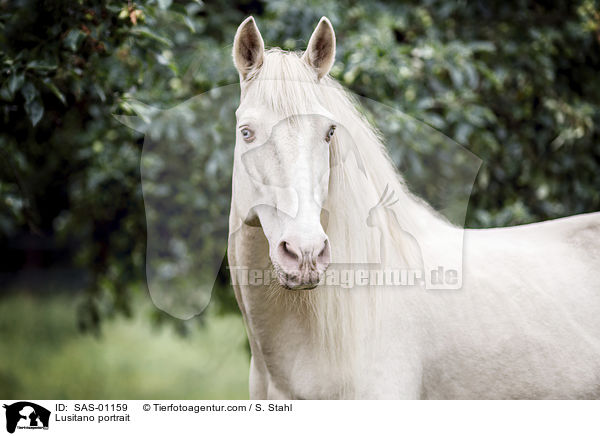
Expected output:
(524, 324)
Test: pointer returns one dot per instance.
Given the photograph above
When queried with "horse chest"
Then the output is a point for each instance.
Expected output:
(291, 365)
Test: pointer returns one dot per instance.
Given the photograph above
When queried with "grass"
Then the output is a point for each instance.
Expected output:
(43, 356)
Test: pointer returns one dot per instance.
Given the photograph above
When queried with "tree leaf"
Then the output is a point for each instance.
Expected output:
(15, 82)
(146, 32)
(41, 66)
(30, 92)
(74, 39)
(189, 23)
(52, 87)
(5, 94)
(164, 4)
(35, 111)
(12, 85)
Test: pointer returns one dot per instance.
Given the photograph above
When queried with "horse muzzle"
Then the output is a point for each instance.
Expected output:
(301, 263)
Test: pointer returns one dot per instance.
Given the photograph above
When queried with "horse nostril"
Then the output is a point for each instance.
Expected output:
(323, 256)
(288, 250)
(302, 256)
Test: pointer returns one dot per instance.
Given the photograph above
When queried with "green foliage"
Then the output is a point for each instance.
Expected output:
(515, 82)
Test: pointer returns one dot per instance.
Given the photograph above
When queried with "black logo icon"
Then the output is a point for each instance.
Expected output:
(26, 415)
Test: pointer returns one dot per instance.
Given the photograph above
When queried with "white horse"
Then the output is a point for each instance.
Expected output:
(524, 324)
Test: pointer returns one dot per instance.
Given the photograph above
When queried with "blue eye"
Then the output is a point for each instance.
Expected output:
(330, 134)
(247, 134)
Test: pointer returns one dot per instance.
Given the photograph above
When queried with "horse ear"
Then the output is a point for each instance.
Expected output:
(320, 52)
(248, 48)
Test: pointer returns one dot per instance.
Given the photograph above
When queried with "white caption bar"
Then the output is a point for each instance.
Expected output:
(44, 417)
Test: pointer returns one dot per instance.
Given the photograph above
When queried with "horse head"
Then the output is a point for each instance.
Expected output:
(283, 140)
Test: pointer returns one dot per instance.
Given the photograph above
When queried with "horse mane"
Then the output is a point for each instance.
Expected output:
(361, 170)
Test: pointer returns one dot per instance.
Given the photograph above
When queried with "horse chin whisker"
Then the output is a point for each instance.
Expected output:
(302, 301)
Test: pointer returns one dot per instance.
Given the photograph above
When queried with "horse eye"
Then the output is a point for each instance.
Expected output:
(330, 134)
(247, 134)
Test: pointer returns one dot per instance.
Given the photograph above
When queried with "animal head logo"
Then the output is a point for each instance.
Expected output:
(26, 415)
(187, 167)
